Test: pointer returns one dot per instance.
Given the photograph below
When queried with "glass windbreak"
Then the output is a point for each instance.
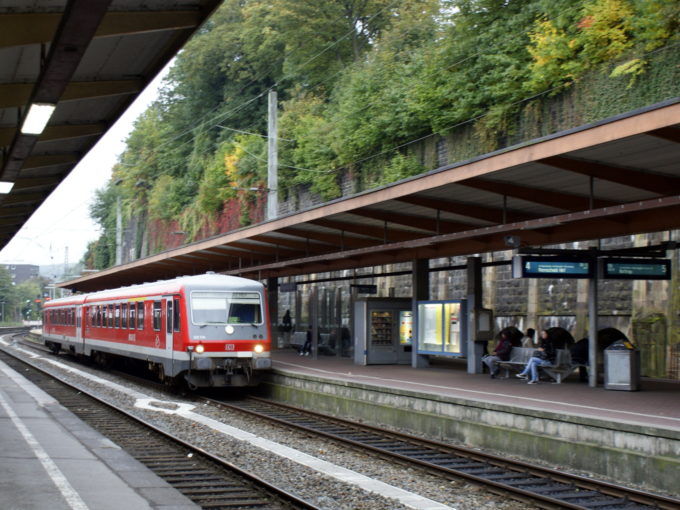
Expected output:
(226, 308)
(440, 327)
(430, 327)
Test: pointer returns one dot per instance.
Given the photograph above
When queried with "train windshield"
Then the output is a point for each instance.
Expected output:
(226, 308)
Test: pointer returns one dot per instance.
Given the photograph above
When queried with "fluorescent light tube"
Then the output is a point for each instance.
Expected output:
(6, 187)
(36, 120)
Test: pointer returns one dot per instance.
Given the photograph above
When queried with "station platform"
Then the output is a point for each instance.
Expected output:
(656, 404)
(51, 459)
(627, 436)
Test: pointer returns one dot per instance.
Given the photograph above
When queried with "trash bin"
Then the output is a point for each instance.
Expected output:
(622, 367)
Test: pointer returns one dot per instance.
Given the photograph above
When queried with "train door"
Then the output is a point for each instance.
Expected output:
(80, 346)
(167, 309)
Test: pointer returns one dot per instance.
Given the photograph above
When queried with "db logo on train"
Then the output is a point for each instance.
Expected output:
(228, 347)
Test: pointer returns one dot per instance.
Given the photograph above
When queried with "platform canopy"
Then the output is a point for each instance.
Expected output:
(82, 63)
(617, 177)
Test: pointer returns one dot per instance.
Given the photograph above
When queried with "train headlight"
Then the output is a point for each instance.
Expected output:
(200, 348)
(259, 348)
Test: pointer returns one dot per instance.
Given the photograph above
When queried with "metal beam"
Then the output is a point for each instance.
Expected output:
(655, 183)
(35, 28)
(556, 199)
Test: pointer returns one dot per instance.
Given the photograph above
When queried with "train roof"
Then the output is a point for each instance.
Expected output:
(211, 281)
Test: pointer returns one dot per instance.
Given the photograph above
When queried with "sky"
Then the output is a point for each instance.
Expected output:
(62, 226)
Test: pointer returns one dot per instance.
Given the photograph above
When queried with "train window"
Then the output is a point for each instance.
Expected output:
(123, 315)
(168, 316)
(226, 308)
(109, 316)
(132, 315)
(176, 316)
(99, 316)
(157, 315)
(140, 315)
(116, 316)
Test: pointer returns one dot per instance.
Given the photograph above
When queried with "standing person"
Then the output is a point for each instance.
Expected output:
(543, 356)
(500, 353)
(287, 322)
(307, 347)
(528, 339)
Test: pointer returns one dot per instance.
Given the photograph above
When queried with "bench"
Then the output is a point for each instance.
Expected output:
(561, 369)
(298, 339)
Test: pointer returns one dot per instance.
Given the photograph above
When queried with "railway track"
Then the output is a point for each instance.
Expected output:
(543, 487)
(528, 483)
(208, 481)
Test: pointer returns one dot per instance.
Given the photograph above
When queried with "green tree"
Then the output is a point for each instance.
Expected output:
(7, 294)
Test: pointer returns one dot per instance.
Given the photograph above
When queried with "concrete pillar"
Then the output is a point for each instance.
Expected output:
(592, 332)
(314, 319)
(532, 305)
(273, 304)
(420, 283)
(475, 350)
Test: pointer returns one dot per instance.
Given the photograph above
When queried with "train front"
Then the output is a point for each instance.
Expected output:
(229, 338)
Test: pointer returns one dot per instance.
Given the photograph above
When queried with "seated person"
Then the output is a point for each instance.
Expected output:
(543, 356)
(528, 339)
(500, 353)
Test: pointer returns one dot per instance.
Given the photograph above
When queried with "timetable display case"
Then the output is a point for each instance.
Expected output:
(442, 328)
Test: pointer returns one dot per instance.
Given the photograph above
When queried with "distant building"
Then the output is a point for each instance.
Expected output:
(22, 272)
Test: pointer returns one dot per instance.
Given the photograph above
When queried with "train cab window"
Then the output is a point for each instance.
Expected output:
(175, 315)
(116, 316)
(157, 309)
(140, 315)
(226, 308)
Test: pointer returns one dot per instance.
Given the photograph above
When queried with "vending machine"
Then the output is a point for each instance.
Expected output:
(383, 331)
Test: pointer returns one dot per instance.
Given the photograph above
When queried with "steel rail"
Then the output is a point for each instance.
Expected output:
(169, 466)
(544, 487)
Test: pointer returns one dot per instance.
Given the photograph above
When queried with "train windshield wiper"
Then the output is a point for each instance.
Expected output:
(212, 323)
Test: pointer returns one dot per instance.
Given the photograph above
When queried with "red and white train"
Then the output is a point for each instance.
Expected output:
(209, 330)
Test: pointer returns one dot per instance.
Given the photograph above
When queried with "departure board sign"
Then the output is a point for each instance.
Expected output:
(526, 266)
(635, 269)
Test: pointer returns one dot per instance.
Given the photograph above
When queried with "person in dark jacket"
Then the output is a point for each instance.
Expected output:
(500, 353)
(543, 356)
(307, 347)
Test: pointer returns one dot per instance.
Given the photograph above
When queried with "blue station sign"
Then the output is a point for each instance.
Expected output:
(528, 266)
(635, 269)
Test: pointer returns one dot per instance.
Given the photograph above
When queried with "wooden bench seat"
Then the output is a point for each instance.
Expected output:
(519, 357)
